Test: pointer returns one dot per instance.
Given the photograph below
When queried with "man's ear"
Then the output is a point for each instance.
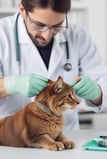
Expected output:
(22, 10)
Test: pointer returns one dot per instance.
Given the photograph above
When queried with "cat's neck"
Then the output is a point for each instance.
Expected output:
(43, 108)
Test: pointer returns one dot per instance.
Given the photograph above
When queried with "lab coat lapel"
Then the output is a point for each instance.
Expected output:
(24, 39)
(40, 66)
(57, 55)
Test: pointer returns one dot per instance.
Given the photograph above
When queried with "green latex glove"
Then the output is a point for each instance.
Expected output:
(28, 85)
(86, 88)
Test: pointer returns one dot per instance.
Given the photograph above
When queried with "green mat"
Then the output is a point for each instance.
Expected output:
(93, 145)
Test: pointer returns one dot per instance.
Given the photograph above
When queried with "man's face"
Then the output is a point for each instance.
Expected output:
(43, 24)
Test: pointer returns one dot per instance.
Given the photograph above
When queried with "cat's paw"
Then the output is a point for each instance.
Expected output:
(69, 145)
(57, 146)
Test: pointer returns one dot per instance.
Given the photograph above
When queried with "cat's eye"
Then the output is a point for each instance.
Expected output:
(70, 96)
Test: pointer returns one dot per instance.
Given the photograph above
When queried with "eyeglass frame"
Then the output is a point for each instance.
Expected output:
(46, 27)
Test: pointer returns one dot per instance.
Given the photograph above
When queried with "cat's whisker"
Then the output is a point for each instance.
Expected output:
(69, 106)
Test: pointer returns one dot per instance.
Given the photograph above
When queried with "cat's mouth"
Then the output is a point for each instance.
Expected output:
(71, 105)
(64, 108)
(68, 106)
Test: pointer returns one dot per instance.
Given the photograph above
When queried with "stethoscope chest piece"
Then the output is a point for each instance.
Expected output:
(68, 67)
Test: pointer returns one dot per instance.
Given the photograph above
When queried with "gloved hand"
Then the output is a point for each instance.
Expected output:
(28, 85)
(86, 88)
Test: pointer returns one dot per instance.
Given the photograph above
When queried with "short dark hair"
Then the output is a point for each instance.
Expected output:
(61, 6)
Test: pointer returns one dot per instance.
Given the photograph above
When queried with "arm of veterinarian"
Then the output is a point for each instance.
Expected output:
(25, 85)
(88, 89)
(28, 85)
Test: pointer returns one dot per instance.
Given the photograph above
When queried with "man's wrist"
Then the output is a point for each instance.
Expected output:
(98, 101)
(3, 92)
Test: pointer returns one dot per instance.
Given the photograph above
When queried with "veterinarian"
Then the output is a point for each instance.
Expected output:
(38, 44)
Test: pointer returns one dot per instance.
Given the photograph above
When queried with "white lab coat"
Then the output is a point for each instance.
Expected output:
(84, 58)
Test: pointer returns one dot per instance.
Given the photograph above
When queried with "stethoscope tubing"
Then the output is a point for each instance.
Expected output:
(67, 65)
(17, 39)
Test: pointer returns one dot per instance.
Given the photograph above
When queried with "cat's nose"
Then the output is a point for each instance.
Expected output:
(77, 101)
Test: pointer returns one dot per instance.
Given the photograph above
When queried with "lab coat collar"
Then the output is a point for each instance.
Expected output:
(24, 37)
(60, 38)
(22, 32)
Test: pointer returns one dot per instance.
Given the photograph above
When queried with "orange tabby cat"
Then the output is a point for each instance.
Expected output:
(40, 123)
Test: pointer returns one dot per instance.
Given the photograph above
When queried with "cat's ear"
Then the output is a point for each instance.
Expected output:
(58, 85)
(49, 81)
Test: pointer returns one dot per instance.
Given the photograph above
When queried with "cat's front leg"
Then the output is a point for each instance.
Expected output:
(67, 144)
(45, 141)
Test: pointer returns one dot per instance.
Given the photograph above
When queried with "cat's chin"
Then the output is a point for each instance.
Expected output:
(64, 108)
(69, 106)
(60, 112)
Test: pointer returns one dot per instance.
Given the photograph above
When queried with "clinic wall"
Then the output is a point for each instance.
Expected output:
(92, 15)
(98, 25)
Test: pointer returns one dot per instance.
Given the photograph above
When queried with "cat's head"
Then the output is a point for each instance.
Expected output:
(58, 96)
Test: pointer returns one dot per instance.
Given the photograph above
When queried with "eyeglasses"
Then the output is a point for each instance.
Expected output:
(40, 27)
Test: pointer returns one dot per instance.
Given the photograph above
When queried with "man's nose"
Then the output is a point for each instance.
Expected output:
(47, 34)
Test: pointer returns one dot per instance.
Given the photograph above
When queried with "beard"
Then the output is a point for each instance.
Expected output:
(39, 40)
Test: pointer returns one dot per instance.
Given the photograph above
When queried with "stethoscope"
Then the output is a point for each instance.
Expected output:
(17, 44)
(67, 65)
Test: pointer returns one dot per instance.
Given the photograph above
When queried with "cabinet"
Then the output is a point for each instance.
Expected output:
(90, 120)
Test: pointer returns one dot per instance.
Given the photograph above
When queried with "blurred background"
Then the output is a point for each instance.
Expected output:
(92, 16)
